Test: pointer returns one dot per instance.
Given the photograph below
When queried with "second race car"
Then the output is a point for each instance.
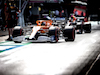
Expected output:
(81, 24)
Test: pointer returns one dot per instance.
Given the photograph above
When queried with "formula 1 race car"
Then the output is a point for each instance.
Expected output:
(45, 30)
(81, 25)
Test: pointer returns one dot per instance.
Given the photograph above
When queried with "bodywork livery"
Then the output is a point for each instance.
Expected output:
(45, 30)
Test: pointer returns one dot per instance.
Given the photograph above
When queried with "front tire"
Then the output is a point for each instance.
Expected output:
(17, 41)
(16, 33)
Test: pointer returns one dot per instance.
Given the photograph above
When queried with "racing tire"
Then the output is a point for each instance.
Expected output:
(89, 31)
(70, 34)
(80, 28)
(80, 31)
(54, 34)
(16, 33)
(36, 36)
(87, 28)
(17, 41)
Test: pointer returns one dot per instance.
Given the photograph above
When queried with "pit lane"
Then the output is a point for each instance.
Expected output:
(67, 58)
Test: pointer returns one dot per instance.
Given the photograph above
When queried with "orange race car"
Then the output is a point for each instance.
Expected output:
(44, 31)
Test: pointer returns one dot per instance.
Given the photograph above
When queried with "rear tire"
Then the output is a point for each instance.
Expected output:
(87, 28)
(70, 33)
(54, 33)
